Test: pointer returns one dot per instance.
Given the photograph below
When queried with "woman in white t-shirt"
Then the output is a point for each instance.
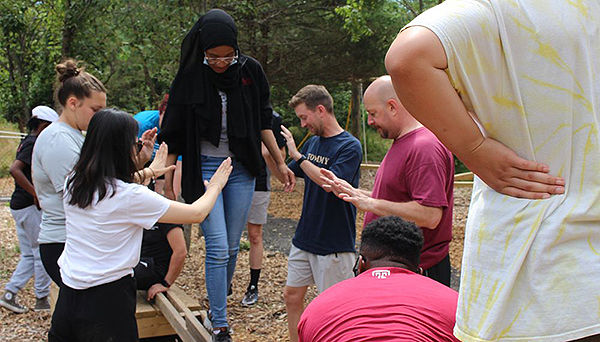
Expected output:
(105, 214)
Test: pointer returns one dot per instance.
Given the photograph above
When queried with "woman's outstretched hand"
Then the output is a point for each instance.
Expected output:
(159, 165)
(220, 177)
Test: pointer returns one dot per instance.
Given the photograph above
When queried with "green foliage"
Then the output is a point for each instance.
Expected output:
(244, 245)
(133, 46)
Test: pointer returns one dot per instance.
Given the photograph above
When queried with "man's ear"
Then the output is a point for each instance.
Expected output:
(322, 111)
(392, 106)
(362, 265)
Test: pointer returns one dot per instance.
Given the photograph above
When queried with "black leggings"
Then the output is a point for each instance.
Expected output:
(49, 253)
(101, 313)
(440, 272)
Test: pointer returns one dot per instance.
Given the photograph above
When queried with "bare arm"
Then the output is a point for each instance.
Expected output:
(311, 170)
(168, 188)
(269, 140)
(416, 61)
(16, 171)
(177, 243)
(423, 216)
(271, 163)
(181, 213)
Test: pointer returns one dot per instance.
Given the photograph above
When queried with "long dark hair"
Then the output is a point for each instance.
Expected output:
(107, 154)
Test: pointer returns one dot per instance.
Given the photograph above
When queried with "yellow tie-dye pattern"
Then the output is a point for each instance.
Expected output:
(493, 296)
(518, 219)
(581, 7)
(506, 330)
(534, 226)
(548, 52)
(584, 101)
(589, 147)
(555, 133)
(589, 241)
(531, 76)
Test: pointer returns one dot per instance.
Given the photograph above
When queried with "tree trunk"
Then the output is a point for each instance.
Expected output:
(68, 32)
(355, 114)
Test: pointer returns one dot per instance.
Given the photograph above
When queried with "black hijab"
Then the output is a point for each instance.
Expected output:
(197, 84)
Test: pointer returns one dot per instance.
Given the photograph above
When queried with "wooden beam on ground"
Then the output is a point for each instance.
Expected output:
(465, 176)
(196, 329)
(173, 316)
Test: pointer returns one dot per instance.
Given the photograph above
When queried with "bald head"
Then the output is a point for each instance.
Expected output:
(381, 90)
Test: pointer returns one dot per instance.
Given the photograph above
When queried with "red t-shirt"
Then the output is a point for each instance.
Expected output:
(381, 304)
(419, 168)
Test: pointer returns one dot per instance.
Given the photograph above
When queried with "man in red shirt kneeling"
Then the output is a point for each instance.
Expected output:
(389, 300)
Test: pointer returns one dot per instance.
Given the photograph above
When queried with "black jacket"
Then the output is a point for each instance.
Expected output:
(183, 123)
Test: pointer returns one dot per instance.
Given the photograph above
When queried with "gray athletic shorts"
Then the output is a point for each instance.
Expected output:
(258, 208)
(306, 268)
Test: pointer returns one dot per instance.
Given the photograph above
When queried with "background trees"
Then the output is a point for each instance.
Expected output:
(133, 47)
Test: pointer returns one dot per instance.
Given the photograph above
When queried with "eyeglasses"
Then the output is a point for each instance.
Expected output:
(223, 60)
(139, 145)
(357, 263)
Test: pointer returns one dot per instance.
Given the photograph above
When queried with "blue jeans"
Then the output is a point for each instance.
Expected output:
(222, 230)
(27, 222)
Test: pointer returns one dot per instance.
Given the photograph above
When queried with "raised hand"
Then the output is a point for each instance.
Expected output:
(290, 143)
(220, 177)
(148, 139)
(159, 165)
(334, 184)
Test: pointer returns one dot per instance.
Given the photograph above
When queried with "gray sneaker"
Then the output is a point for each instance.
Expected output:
(251, 296)
(9, 301)
(41, 304)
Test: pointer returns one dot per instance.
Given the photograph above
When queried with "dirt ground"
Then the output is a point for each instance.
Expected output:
(266, 321)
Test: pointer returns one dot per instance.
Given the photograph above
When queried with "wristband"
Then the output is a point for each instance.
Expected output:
(301, 159)
(165, 283)
(153, 174)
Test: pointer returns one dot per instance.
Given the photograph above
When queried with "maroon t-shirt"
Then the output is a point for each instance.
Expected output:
(419, 168)
(381, 304)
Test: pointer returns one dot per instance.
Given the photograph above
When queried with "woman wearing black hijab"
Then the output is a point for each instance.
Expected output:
(218, 108)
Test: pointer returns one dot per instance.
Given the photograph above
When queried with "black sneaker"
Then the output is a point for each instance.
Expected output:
(251, 296)
(41, 304)
(9, 301)
(222, 336)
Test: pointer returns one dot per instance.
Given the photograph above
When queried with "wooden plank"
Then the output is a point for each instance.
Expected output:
(465, 176)
(369, 166)
(196, 329)
(154, 327)
(143, 308)
(189, 302)
(463, 184)
(173, 316)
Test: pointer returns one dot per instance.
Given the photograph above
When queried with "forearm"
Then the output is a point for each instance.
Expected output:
(268, 139)
(175, 267)
(422, 216)
(23, 182)
(272, 165)
(203, 205)
(171, 160)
